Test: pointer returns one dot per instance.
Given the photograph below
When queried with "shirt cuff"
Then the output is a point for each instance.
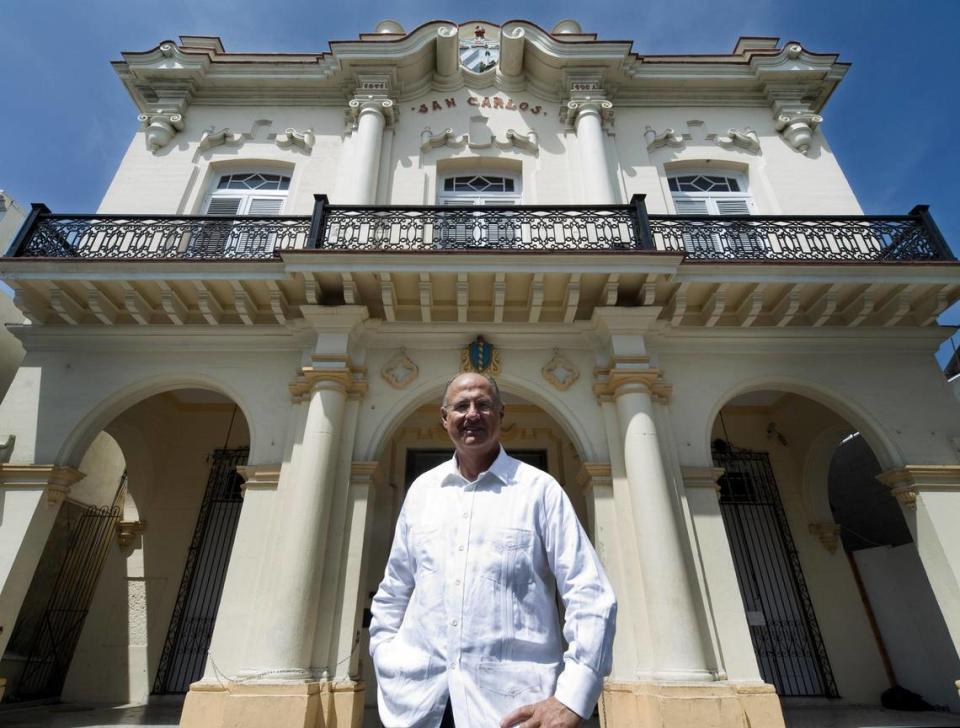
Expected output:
(578, 688)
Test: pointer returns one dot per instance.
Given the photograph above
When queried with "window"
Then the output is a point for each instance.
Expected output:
(715, 194)
(480, 229)
(246, 194)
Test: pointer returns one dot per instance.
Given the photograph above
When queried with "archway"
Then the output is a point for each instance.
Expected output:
(157, 472)
(822, 551)
(418, 442)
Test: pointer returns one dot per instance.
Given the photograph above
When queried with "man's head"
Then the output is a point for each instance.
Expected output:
(471, 413)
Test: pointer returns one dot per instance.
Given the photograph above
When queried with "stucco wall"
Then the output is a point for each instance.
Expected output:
(176, 179)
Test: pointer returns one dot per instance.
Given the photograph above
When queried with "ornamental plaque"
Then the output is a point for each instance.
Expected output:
(480, 356)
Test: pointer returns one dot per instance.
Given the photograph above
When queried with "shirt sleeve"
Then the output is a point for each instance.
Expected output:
(390, 602)
(589, 602)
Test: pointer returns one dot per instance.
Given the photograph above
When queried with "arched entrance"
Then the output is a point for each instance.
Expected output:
(826, 566)
(419, 442)
(132, 611)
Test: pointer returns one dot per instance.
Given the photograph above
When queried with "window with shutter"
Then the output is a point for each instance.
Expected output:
(247, 194)
(716, 194)
(456, 229)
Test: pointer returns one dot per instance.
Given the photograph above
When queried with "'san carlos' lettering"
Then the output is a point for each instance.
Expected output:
(484, 102)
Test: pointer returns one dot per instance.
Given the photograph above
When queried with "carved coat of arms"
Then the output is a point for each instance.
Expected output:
(479, 55)
(480, 356)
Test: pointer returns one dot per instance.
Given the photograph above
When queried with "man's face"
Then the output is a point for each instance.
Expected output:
(472, 417)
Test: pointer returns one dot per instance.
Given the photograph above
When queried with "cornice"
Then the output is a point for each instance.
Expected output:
(171, 77)
(701, 477)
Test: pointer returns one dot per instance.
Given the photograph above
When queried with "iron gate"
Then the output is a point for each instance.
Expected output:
(195, 611)
(783, 626)
(57, 630)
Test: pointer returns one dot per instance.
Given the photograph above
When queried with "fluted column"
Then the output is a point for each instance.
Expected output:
(587, 119)
(372, 115)
(671, 606)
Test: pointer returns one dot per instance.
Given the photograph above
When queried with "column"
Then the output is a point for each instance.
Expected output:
(674, 624)
(287, 639)
(930, 498)
(372, 115)
(587, 117)
(30, 498)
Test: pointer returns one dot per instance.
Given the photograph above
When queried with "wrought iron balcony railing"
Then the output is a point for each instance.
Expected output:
(618, 228)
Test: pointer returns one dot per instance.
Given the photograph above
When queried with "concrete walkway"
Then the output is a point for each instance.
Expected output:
(166, 716)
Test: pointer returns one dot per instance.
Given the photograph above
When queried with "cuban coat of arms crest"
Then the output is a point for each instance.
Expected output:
(479, 54)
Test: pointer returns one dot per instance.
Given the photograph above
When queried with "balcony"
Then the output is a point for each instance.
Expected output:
(529, 229)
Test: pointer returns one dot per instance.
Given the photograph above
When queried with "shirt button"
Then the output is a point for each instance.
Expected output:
(466, 515)
(453, 666)
(460, 549)
(457, 582)
(453, 622)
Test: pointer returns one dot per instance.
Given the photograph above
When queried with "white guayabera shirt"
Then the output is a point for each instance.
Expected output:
(467, 609)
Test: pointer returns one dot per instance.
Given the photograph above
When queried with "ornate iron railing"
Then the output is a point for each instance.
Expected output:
(163, 236)
(618, 228)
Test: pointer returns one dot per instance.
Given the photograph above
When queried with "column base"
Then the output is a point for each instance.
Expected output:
(274, 705)
(689, 705)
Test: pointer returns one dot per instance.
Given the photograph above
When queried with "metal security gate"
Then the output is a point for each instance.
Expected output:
(57, 630)
(783, 626)
(194, 614)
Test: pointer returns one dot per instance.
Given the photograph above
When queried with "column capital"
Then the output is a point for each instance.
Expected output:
(55, 480)
(346, 378)
(128, 535)
(907, 482)
(369, 103)
(629, 374)
(706, 477)
(364, 471)
(571, 111)
(593, 475)
(259, 477)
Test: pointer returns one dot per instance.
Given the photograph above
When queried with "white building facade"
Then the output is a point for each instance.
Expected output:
(235, 365)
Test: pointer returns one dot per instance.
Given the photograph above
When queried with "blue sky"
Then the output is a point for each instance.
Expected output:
(66, 119)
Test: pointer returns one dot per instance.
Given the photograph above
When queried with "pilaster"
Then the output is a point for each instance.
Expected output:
(30, 497)
(735, 657)
(929, 496)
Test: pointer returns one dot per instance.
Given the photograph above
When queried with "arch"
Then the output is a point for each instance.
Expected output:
(428, 392)
(209, 168)
(884, 448)
(100, 415)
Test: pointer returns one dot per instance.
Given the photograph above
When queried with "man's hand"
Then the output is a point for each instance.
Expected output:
(549, 713)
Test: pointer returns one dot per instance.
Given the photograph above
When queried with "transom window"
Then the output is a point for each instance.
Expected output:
(704, 183)
(254, 181)
(478, 183)
(699, 193)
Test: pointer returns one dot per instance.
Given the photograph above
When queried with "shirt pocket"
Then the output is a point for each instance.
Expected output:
(505, 555)
(427, 546)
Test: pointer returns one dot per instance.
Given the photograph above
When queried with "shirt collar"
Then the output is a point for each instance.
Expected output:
(499, 468)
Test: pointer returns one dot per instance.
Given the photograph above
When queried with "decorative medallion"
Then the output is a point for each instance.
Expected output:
(480, 356)
(479, 54)
(560, 371)
(400, 370)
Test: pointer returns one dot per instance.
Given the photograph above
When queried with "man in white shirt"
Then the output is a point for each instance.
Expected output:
(465, 625)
